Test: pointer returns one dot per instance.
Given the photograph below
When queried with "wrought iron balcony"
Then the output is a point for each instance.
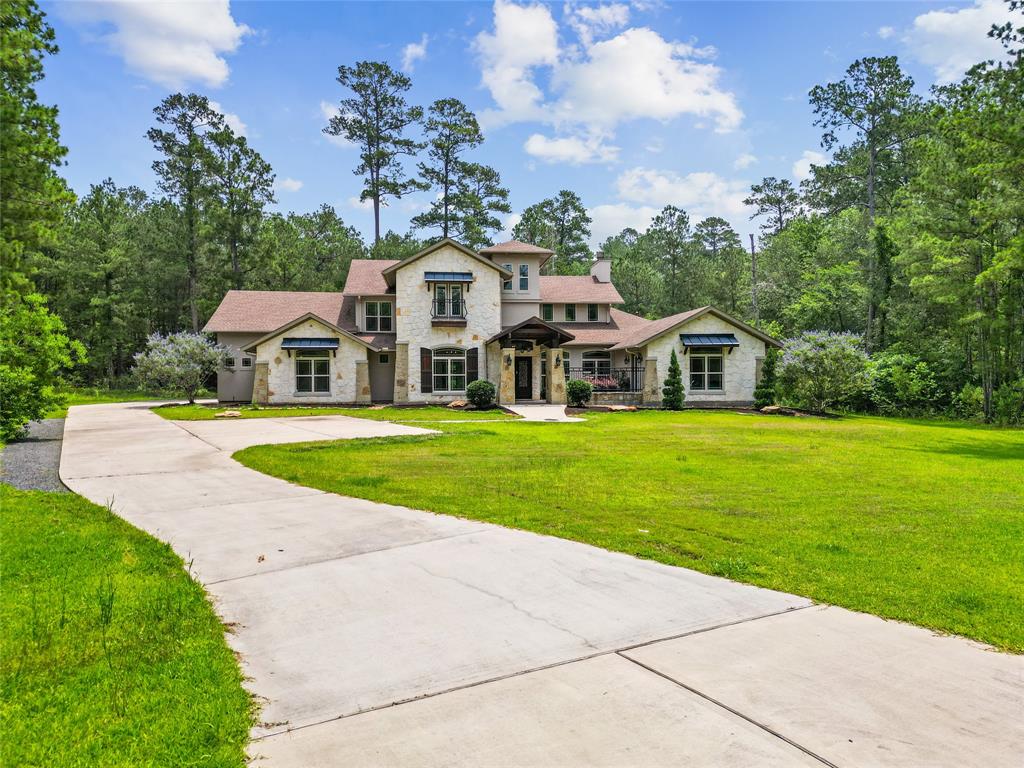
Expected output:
(610, 379)
(450, 310)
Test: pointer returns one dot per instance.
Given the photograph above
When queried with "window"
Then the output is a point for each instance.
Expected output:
(566, 362)
(706, 372)
(597, 363)
(247, 362)
(448, 300)
(547, 312)
(570, 313)
(592, 312)
(385, 359)
(313, 371)
(229, 362)
(524, 277)
(506, 285)
(449, 370)
(378, 316)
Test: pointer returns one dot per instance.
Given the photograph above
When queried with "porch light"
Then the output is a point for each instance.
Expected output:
(558, 361)
(508, 360)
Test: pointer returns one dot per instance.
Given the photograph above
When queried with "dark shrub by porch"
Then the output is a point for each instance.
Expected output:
(578, 392)
(481, 393)
(672, 393)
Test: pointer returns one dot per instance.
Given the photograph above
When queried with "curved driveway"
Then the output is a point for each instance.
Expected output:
(380, 635)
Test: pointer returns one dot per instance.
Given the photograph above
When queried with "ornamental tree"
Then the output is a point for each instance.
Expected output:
(820, 369)
(672, 393)
(180, 362)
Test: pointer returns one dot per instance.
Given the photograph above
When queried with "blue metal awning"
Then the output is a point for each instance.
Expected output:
(294, 343)
(448, 277)
(709, 340)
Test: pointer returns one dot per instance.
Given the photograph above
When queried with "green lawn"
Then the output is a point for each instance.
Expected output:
(915, 520)
(95, 395)
(110, 653)
(404, 415)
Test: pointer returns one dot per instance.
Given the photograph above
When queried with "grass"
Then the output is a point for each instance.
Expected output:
(388, 413)
(96, 395)
(111, 654)
(914, 520)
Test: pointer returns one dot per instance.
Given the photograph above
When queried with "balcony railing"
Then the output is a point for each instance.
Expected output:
(610, 379)
(451, 309)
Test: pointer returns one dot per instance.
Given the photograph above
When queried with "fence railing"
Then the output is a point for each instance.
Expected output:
(610, 379)
(453, 308)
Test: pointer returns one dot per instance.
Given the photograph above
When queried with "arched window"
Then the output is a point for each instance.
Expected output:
(449, 370)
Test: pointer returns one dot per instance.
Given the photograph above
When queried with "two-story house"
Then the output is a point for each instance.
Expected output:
(421, 329)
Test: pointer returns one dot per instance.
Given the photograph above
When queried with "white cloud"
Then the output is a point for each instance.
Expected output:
(952, 41)
(170, 43)
(591, 21)
(574, 150)
(655, 146)
(327, 111)
(744, 161)
(360, 205)
(289, 185)
(802, 167)
(234, 122)
(413, 52)
(700, 194)
(609, 220)
(886, 32)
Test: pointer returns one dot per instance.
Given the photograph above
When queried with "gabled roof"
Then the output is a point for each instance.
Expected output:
(366, 277)
(263, 311)
(304, 318)
(573, 289)
(389, 272)
(516, 246)
(655, 328)
(534, 322)
(619, 325)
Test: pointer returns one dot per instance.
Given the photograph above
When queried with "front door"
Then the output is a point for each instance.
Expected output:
(524, 378)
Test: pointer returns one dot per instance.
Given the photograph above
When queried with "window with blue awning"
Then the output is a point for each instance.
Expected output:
(709, 340)
(299, 343)
(448, 277)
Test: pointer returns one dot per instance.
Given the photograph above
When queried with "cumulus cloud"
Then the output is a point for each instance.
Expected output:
(700, 194)
(575, 150)
(327, 111)
(413, 52)
(233, 121)
(288, 185)
(952, 41)
(590, 21)
(744, 161)
(886, 32)
(170, 43)
(802, 167)
(609, 220)
(359, 205)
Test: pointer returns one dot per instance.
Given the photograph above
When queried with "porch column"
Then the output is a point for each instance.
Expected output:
(652, 386)
(556, 376)
(261, 384)
(507, 388)
(401, 373)
(363, 381)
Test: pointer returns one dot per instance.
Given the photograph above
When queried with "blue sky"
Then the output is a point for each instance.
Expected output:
(632, 105)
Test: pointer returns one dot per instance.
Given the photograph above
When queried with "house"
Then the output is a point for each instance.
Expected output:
(421, 329)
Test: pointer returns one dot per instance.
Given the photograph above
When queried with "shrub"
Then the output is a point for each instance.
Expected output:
(672, 393)
(578, 392)
(821, 369)
(180, 362)
(901, 383)
(480, 393)
(1008, 404)
(764, 392)
(969, 403)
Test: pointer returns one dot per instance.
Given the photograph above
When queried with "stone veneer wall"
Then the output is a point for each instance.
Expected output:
(740, 365)
(413, 321)
(281, 367)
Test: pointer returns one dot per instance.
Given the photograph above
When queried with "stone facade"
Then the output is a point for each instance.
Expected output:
(281, 367)
(507, 385)
(413, 321)
(556, 376)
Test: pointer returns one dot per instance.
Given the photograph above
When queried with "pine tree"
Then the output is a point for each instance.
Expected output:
(672, 393)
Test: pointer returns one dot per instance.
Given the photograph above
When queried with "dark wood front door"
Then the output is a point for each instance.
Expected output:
(524, 378)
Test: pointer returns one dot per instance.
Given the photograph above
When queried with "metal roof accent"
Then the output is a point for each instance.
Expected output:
(298, 343)
(448, 277)
(709, 340)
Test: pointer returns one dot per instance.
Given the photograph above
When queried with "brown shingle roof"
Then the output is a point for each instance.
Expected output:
(515, 246)
(265, 311)
(571, 289)
(620, 325)
(366, 278)
(641, 334)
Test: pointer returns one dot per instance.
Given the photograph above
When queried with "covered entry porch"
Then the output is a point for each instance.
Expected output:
(530, 362)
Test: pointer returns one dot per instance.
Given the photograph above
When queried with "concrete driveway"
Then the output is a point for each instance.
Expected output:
(380, 635)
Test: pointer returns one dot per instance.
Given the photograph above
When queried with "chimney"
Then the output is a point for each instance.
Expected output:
(601, 269)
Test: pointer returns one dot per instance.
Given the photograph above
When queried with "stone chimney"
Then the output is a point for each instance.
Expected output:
(601, 269)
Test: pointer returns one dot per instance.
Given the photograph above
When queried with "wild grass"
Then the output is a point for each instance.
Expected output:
(111, 654)
(97, 395)
(915, 520)
(404, 415)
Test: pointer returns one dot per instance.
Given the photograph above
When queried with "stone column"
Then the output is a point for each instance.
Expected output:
(401, 373)
(535, 368)
(652, 386)
(556, 376)
(507, 389)
(261, 384)
(363, 382)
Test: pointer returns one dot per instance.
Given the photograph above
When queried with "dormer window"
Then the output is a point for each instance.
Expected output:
(378, 316)
(524, 277)
(592, 313)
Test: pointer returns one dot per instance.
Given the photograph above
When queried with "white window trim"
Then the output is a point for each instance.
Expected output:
(597, 313)
(378, 316)
(565, 309)
(435, 357)
(704, 355)
(312, 355)
(525, 277)
(506, 285)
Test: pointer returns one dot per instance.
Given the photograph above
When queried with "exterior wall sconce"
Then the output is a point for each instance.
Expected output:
(558, 361)
(508, 361)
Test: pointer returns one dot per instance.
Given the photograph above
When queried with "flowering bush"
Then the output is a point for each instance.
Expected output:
(821, 369)
(181, 362)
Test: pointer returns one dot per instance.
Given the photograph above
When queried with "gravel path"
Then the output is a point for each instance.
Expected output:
(31, 463)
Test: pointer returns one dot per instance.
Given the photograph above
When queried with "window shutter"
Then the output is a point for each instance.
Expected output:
(426, 370)
(472, 365)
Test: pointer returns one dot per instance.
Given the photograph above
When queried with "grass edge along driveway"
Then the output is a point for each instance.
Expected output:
(111, 653)
(920, 521)
(407, 415)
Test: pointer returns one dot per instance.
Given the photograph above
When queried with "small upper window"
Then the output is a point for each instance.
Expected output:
(506, 285)
(524, 277)
(547, 312)
(229, 362)
(378, 316)
(385, 359)
(592, 312)
(570, 313)
(247, 362)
